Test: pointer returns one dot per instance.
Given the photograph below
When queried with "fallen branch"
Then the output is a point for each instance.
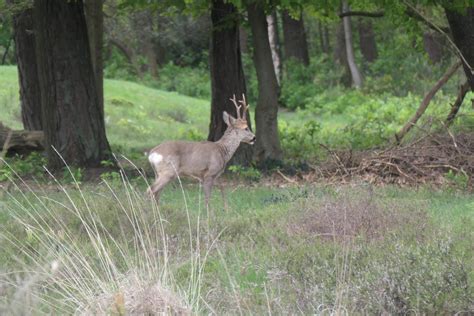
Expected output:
(21, 142)
(463, 90)
(425, 102)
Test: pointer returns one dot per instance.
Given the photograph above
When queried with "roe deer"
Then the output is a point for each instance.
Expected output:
(202, 160)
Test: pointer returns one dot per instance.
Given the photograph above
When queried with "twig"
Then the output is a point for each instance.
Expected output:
(285, 177)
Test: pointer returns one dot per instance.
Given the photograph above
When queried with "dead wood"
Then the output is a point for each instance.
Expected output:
(463, 90)
(19, 141)
(425, 102)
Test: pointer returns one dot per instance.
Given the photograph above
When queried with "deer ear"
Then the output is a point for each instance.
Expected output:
(229, 120)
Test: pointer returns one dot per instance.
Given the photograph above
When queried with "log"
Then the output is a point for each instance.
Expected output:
(20, 141)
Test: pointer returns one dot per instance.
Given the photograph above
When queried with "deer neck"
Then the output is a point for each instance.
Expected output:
(228, 145)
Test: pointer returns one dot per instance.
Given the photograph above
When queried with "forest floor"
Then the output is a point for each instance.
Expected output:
(286, 243)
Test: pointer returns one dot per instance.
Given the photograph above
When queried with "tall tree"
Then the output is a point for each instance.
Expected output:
(268, 143)
(227, 75)
(73, 122)
(355, 72)
(461, 23)
(323, 38)
(340, 55)
(95, 29)
(294, 34)
(274, 40)
(368, 45)
(30, 95)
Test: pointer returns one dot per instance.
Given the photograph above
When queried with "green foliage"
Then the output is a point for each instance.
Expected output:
(247, 173)
(25, 167)
(300, 142)
(189, 81)
(72, 175)
(301, 83)
(111, 176)
(459, 179)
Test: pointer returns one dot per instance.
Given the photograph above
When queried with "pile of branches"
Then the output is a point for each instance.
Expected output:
(429, 159)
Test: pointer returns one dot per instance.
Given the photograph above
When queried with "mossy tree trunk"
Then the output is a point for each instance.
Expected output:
(462, 26)
(73, 122)
(295, 43)
(266, 112)
(227, 75)
(30, 96)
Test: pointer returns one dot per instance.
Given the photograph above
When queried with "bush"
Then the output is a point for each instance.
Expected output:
(193, 82)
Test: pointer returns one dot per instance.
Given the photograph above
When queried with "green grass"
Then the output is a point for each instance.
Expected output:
(310, 249)
(268, 251)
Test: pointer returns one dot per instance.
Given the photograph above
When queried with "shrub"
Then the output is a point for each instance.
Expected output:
(193, 82)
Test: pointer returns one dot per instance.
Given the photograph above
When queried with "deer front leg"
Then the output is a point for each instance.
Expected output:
(208, 183)
(224, 199)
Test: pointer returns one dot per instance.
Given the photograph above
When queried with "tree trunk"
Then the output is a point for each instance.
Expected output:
(461, 25)
(274, 43)
(227, 75)
(30, 96)
(266, 112)
(463, 90)
(294, 35)
(326, 42)
(72, 118)
(355, 73)
(145, 26)
(243, 38)
(95, 31)
(368, 46)
(7, 50)
(323, 38)
(340, 55)
(128, 53)
(433, 46)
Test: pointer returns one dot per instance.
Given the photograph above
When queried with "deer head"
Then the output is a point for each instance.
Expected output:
(238, 127)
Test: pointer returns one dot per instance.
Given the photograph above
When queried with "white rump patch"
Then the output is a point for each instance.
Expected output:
(155, 158)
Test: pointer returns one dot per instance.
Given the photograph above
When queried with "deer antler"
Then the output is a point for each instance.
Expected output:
(237, 107)
(244, 104)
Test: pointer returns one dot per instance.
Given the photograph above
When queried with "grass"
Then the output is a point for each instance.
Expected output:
(104, 248)
(278, 250)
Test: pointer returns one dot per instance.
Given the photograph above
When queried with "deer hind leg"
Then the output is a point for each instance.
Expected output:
(162, 179)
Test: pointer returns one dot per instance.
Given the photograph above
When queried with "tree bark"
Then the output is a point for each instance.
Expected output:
(266, 112)
(323, 38)
(462, 26)
(433, 46)
(355, 72)
(30, 95)
(73, 122)
(463, 90)
(227, 75)
(274, 43)
(128, 53)
(294, 35)
(340, 55)
(5, 53)
(426, 101)
(95, 31)
(368, 46)
(243, 38)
